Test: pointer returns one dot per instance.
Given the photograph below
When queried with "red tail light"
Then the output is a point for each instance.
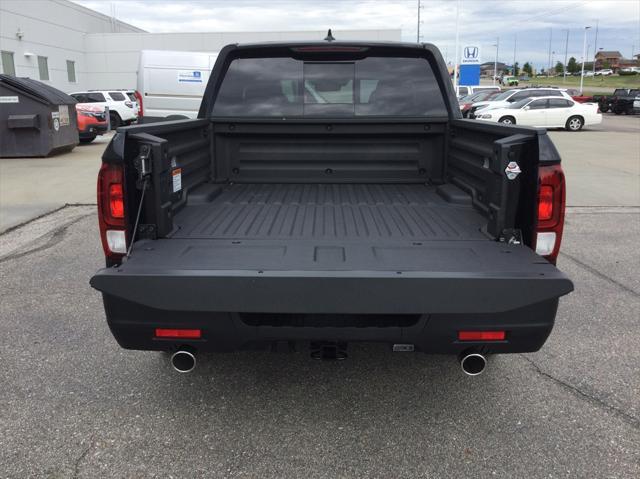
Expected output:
(482, 335)
(178, 333)
(139, 98)
(111, 211)
(116, 200)
(551, 206)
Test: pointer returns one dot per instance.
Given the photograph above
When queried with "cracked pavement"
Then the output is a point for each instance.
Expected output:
(76, 405)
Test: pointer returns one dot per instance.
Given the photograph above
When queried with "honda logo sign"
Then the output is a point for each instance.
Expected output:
(470, 55)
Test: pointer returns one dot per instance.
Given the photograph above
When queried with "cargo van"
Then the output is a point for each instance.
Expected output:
(172, 83)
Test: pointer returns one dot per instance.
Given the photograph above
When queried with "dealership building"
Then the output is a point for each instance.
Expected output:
(74, 48)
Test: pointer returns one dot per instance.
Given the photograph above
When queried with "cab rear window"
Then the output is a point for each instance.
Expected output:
(373, 86)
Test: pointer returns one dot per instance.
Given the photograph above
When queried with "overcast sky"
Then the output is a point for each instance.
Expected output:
(481, 21)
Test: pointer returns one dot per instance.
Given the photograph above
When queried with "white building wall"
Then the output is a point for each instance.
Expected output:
(113, 59)
(55, 29)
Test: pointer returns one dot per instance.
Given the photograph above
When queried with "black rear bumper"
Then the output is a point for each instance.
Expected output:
(133, 325)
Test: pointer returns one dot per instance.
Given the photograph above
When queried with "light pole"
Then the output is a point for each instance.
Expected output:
(550, 39)
(515, 44)
(553, 54)
(419, 21)
(455, 63)
(584, 56)
(566, 49)
(495, 62)
(595, 48)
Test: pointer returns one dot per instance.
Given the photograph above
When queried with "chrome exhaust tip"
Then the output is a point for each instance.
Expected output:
(472, 363)
(183, 361)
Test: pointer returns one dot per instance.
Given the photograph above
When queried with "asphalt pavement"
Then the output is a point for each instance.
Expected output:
(73, 404)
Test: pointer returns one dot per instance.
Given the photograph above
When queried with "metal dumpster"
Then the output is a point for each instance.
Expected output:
(35, 119)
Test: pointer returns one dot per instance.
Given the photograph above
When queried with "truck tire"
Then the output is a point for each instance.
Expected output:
(507, 120)
(115, 120)
(574, 123)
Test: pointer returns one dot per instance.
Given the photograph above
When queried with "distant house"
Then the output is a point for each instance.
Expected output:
(608, 59)
(486, 69)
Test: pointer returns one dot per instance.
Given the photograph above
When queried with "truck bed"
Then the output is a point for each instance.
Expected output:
(326, 226)
(360, 212)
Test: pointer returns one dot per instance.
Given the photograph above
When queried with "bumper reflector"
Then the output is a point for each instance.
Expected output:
(178, 333)
(482, 335)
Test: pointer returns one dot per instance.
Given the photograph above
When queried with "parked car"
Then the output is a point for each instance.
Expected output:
(93, 120)
(507, 97)
(467, 102)
(629, 71)
(587, 73)
(548, 112)
(509, 81)
(625, 102)
(606, 102)
(604, 72)
(524, 78)
(465, 90)
(316, 225)
(121, 109)
(576, 96)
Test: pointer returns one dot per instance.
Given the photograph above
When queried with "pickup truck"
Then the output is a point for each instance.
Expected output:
(331, 193)
(627, 102)
(606, 102)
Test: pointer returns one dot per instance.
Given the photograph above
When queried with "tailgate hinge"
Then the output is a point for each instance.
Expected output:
(511, 236)
(142, 164)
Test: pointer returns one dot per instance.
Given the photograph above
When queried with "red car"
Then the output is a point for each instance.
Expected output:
(575, 94)
(93, 120)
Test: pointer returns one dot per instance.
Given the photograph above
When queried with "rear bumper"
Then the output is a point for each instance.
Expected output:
(133, 325)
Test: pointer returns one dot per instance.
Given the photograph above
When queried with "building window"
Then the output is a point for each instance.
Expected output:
(43, 66)
(8, 66)
(71, 71)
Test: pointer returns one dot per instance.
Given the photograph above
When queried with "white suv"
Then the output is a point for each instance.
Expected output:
(121, 109)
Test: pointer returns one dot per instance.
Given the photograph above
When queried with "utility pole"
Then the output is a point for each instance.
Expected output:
(419, 8)
(515, 44)
(566, 49)
(550, 38)
(584, 56)
(455, 63)
(595, 48)
(495, 62)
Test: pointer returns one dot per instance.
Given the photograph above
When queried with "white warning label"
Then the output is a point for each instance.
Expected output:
(177, 179)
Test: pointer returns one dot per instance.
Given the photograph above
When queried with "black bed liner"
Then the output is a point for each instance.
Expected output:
(328, 212)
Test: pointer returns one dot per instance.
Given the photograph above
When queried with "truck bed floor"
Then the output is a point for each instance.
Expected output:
(329, 212)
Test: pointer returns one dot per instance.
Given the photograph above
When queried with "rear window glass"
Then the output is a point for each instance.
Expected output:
(132, 96)
(373, 86)
(116, 96)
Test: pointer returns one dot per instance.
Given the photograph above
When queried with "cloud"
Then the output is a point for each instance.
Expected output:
(481, 21)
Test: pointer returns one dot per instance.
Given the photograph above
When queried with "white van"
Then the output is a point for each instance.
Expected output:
(172, 83)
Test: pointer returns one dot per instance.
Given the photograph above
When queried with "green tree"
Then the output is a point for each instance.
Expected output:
(572, 66)
(559, 67)
(516, 69)
(527, 69)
